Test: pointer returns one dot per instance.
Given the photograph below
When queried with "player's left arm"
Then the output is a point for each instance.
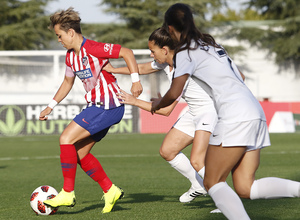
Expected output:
(128, 56)
(172, 94)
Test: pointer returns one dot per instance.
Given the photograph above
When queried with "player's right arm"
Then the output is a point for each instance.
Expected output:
(144, 68)
(126, 98)
(61, 93)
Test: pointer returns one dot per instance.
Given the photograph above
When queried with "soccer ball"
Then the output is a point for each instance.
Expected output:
(39, 195)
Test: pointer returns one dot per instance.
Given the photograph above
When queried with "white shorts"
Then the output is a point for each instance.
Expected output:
(188, 123)
(253, 134)
(206, 119)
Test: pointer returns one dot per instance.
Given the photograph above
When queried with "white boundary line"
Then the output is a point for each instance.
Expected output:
(118, 156)
(57, 157)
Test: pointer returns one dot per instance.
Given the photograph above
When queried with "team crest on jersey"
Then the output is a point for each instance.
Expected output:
(85, 61)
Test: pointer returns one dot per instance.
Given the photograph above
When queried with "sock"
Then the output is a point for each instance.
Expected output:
(228, 202)
(202, 172)
(183, 165)
(93, 168)
(273, 187)
(68, 159)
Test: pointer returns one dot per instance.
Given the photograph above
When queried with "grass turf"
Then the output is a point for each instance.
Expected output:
(151, 186)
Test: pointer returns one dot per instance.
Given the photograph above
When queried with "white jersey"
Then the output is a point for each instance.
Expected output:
(193, 94)
(215, 72)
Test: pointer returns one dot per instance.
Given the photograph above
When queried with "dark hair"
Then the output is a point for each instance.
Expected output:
(162, 38)
(67, 19)
(180, 16)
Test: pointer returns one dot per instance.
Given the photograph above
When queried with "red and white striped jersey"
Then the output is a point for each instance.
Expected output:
(100, 86)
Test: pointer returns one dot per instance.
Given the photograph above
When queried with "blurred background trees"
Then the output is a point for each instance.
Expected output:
(23, 25)
(272, 25)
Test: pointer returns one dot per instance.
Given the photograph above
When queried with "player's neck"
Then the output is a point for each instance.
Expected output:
(78, 42)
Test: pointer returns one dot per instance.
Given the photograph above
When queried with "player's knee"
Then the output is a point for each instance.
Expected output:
(64, 139)
(166, 154)
(163, 153)
(196, 163)
(243, 191)
(208, 183)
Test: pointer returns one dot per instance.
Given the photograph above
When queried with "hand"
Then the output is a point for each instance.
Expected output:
(155, 102)
(136, 89)
(44, 113)
(126, 98)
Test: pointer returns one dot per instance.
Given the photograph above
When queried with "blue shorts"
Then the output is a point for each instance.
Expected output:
(97, 120)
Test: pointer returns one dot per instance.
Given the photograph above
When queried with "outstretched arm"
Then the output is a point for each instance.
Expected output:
(131, 100)
(61, 93)
(173, 93)
(144, 68)
(129, 58)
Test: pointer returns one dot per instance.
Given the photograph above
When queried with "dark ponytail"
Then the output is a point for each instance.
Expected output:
(180, 16)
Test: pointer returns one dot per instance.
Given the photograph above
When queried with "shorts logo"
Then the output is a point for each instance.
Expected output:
(85, 121)
(215, 135)
(204, 124)
(106, 47)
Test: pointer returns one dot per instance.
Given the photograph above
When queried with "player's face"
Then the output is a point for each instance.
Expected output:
(65, 38)
(159, 54)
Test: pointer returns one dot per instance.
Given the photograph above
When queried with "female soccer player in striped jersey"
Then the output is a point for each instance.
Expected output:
(182, 133)
(241, 131)
(85, 59)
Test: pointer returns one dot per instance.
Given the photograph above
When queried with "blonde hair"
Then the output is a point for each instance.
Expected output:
(67, 19)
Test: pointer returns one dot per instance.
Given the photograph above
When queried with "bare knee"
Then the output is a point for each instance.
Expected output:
(197, 163)
(167, 154)
(65, 139)
(209, 182)
(243, 191)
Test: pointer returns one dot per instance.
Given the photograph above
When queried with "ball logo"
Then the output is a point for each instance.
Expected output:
(106, 47)
(13, 120)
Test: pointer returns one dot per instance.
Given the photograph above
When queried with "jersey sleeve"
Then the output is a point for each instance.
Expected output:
(185, 64)
(69, 72)
(103, 50)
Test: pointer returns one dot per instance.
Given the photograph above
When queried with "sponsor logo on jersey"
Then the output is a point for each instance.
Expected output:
(106, 47)
(84, 74)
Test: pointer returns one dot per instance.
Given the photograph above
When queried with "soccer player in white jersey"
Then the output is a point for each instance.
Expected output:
(85, 59)
(181, 135)
(241, 131)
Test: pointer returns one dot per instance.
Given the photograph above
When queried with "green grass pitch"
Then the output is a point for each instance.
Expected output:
(132, 161)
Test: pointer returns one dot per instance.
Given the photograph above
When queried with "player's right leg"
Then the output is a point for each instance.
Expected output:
(218, 163)
(174, 142)
(68, 157)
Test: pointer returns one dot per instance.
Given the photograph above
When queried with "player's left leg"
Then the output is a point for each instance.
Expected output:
(265, 188)
(91, 165)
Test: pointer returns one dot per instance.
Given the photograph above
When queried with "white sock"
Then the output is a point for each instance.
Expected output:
(273, 187)
(202, 172)
(228, 202)
(183, 165)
